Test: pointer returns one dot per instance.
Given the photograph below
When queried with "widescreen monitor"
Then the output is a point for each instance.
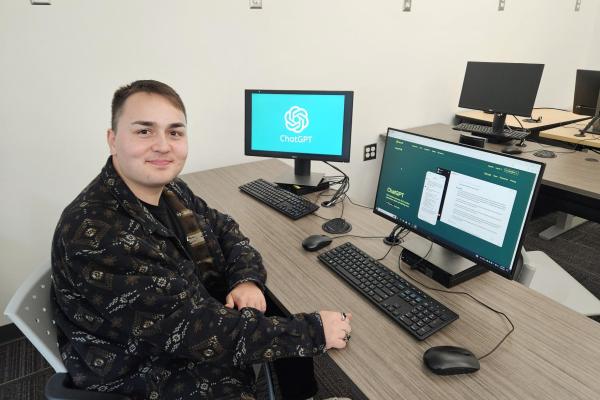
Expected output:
(471, 201)
(501, 88)
(299, 124)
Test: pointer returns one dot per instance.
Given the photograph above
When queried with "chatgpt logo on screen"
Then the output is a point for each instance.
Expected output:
(296, 120)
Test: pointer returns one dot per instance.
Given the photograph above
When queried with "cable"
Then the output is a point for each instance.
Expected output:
(550, 108)
(356, 204)
(545, 146)
(401, 239)
(519, 121)
(462, 293)
(345, 185)
(358, 236)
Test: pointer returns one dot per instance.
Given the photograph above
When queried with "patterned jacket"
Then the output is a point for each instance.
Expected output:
(140, 313)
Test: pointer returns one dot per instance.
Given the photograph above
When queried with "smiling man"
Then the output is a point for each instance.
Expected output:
(157, 295)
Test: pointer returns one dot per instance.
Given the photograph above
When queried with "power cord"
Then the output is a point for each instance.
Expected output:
(461, 293)
(550, 108)
(341, 191)
(356, 204)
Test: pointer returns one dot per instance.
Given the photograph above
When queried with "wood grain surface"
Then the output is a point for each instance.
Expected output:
(550, 117)
(554, 352)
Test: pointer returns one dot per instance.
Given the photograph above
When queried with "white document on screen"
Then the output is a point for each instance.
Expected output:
(478, 207)
(433, 189)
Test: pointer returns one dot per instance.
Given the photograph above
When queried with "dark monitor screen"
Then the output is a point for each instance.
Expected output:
(587, 89)
(313, 125)
(471, 201)
(508, 88)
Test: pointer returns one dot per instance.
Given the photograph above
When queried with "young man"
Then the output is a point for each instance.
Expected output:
(157, 295)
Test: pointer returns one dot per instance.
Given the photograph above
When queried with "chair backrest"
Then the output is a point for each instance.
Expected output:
(31, 311)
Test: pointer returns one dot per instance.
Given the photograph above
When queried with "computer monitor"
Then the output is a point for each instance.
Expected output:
(586, 100)
(303, 125)
(501, 88)
(472, 204)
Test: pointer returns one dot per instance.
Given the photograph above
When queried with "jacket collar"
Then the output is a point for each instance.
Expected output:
(128, 201)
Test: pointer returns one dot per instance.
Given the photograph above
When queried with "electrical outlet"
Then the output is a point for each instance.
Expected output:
(370, 152)
(255, 4)
(501, 4)
(407, 5)
(577, 5)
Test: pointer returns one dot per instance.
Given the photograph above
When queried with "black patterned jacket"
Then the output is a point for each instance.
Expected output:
(138, 313)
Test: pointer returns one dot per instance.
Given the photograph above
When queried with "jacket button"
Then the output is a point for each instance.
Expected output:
(97, 275)
(98, 362)
(148, 324)
(209, 352)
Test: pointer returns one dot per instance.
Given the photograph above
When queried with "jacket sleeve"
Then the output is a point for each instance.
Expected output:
(243, 262)
(101, 280)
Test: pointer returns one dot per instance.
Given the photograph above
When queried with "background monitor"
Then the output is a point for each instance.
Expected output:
(586, 100)
(501, 88)
(300, 124)
(470, 201)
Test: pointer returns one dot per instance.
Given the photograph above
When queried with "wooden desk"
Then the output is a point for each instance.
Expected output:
(554, 352)
(567, 133)
(550, 118)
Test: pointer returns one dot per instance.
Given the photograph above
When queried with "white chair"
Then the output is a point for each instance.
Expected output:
(30, 309)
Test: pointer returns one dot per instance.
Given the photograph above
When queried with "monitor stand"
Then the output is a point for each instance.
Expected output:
(441, 264)
(593, 126)
(301, 181)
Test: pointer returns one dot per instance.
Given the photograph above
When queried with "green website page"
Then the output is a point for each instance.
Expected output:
(463, 198)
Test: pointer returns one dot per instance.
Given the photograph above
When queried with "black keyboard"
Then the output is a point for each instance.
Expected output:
(486, 131)
(407, 305)
(290, 204)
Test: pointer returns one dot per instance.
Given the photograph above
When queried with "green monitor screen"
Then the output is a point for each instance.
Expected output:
(471, 201)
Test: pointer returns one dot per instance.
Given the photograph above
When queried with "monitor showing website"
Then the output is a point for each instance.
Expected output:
(297, 123)
(469, 200)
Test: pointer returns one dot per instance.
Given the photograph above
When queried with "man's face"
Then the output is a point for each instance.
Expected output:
(149, 147)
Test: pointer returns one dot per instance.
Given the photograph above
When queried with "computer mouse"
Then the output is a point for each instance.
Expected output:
(450, 360)
(316, 242)
(545, 154)
(512, 150)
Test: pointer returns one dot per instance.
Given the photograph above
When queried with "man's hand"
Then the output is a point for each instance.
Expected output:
(336, 326)
(246, 294)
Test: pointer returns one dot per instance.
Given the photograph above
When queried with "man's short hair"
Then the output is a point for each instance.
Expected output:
(145, 86)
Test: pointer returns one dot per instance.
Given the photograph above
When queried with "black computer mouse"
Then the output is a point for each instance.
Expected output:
(545, 154)
(450, 360)
(316, 242)
(512, 150)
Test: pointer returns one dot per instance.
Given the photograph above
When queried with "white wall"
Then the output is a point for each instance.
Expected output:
(594, 53)
(60, 64)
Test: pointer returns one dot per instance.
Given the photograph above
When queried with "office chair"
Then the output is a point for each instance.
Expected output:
(30, 310)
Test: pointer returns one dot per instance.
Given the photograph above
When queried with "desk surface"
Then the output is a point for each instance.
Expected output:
(554, 352)
(567, 133)
(550, 118)
(569, 171)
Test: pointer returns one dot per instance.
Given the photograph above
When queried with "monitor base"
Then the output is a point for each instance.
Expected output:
(302, 184)
(441, 265)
